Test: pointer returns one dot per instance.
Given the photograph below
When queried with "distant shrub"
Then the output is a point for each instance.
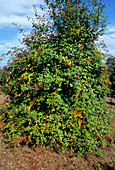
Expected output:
(111, 69)
(4, 75)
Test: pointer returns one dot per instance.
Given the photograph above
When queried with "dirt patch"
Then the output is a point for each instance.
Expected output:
(23, 158)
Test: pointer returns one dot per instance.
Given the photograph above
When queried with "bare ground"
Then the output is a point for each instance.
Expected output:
(23, 158)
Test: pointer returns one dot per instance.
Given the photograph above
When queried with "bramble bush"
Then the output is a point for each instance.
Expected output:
(58, 84)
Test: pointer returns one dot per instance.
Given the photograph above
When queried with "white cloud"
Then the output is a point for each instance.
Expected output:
(7, 21)
(109, 39)
(17, 11)
(111, 29)
(5, 46)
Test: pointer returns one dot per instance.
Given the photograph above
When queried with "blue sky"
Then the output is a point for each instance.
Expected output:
(18, 10)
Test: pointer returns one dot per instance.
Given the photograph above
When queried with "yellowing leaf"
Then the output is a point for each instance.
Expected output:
(77, 95)
(83, 27)
(31, 103)
(77, 114)
(61, 138)
(84, 125)
(79, 46)
(29, 109)
(80, 122)
(95, 8)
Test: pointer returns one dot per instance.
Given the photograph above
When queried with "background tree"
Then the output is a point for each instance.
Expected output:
(111, 68)
(4, 74)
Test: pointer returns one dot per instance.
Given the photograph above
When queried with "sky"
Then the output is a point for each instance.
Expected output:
(17, 11)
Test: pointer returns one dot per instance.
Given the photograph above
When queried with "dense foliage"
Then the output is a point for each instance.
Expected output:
(58, 84)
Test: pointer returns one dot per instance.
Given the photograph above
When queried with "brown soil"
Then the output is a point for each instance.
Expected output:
(23, 158)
